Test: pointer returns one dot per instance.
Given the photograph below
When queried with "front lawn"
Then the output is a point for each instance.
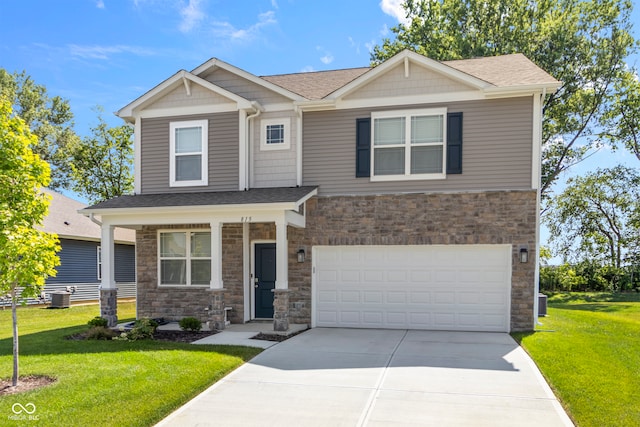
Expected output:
(588, 348)
(105, 383)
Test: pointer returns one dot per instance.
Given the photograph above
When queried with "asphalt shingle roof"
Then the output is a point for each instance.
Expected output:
(64, 220)
(209, 198)
(500, 71)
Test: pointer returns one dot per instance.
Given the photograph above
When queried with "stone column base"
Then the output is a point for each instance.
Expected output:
(109, 306)
(281, 309)
(216, 309)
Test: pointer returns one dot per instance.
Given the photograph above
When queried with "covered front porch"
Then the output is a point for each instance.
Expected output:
(213, 256)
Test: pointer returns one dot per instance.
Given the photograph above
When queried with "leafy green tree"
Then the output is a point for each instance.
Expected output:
(101, 165)
(27, 255)
(582, 43)
(49, 118)
(622, 120)
(597, 217)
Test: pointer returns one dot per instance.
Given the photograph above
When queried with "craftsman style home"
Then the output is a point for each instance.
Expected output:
(401, 196)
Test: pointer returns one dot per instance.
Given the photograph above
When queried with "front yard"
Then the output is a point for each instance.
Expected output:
(104, 382)
(588, 349)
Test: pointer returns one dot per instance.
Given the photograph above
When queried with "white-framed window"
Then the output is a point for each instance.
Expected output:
(99, 262)
(184, 257)
(275, 134)
(408, 144)
(188, 164)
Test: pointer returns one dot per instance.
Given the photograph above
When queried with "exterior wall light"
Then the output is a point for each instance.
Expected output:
(524, 255)
(301, 255)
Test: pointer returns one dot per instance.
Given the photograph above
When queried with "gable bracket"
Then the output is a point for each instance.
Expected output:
(187, 85)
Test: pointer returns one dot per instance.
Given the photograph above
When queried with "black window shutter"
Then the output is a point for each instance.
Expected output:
(363, 148)
(454, 143)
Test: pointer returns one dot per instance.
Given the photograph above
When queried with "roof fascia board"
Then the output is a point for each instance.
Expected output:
(399, 60)
(131, 218)
(215, 62)
(495, 92)
(182, 111)
(400, 101)
(212, 209)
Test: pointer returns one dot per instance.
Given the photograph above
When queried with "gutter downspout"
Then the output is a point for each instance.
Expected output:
(249, 153)
(93, 219)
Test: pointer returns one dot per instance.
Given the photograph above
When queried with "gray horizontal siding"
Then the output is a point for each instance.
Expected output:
(497, 147)
(79, 263)
(243, 87)
(223, 153)
(84, 292)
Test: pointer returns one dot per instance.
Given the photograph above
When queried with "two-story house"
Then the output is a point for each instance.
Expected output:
(401, 196)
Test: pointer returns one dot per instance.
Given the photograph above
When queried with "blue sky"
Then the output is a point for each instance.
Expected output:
(109, 52)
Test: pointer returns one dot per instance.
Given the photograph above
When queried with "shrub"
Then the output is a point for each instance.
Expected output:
(98, 321)
(100, 333)
(143, 329)
(190, 324)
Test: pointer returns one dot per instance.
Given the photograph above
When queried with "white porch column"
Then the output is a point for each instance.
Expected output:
(106, 252)
(108, 290)
(282, 255)
(216, 255)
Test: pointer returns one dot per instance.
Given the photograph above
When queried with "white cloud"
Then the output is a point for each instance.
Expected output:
(105, 52)
(326, 58)
(192, 15)
(100, 4)
(228, 30)
(394, 8)
(307, 69)
(274, 4)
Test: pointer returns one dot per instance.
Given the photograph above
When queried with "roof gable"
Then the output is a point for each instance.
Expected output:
(186, 80)
(406, 59)
(214, 63)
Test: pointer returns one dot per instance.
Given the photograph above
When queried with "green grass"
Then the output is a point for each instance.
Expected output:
(106, 383)
(588, 349)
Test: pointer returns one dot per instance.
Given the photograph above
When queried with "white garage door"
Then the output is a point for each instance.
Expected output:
(439, 287)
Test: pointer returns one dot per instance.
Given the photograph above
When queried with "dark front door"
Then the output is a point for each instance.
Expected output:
(265, 279)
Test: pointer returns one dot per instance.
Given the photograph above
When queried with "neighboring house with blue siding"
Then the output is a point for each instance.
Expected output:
(80, 253)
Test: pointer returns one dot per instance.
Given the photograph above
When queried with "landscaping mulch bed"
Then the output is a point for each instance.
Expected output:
(181, 336)
(274, 337)
(27, 383)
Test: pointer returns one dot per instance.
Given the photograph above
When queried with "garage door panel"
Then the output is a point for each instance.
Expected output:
(453, 287)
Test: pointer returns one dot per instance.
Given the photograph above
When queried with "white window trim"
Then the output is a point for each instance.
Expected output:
(188, 258)
(204, 124)
(286, 122)
(408, 176)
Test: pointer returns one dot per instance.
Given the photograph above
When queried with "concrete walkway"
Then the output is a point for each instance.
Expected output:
(355, 377)
(242, 334)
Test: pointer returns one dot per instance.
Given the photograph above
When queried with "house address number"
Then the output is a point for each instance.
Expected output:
(244, 219)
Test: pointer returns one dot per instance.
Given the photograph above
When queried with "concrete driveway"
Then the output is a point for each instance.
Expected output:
(358, 377)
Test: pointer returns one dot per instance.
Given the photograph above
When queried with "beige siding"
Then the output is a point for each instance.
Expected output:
(179, 98)
(420, 82)
(223, 153)
(275, 168)
(497, 147)
(243, 87)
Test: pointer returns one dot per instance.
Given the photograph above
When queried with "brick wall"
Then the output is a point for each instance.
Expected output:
(412, 219)
(417, 219)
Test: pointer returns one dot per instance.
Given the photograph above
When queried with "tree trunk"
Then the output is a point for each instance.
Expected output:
(14, 313)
